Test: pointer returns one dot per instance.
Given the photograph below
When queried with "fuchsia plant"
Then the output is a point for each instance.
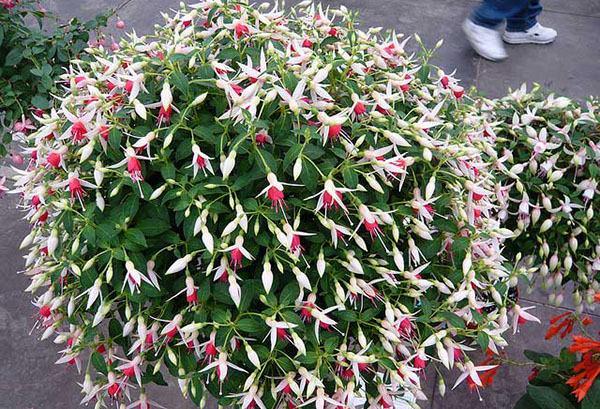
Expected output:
(278, 209)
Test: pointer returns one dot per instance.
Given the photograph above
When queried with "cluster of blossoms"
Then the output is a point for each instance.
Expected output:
(544, 153)
(276, 208)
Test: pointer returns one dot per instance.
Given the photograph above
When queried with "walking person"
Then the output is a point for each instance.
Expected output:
(522, 27)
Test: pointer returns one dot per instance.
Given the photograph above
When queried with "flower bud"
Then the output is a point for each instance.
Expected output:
(321, 264)
(267, 277)
(140, 109)
(52, 242)
(553, 262)
(297, 168)
(427, 154)
(535, 214)
(100, 200)
(556, 175)
(546, 225)
(252, 356)
(158, 191)
(179, 264)
(199, 99)
(430, 188)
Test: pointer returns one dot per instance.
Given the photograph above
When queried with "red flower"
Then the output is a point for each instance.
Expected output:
(241, 29)
(359, 109)
(78, 131)
(53, 159)
(328, 201)
(276, 197)
(164, 115)
(588, 369)
(135, 169)
(567, 324)
(76, 189)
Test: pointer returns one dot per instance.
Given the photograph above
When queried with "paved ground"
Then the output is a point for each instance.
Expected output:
(28, 377)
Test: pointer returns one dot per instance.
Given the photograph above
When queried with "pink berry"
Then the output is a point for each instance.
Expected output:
(17, 159)
(120, 24)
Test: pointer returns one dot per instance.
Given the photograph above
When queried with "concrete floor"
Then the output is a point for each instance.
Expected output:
(28, 377)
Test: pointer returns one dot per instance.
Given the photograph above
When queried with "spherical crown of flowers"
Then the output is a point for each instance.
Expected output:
(276, 208)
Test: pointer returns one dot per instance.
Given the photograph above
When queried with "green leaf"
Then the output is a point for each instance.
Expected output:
(547, 398)
(180, 81)
(99, 363)
(350, 178)
(13, 57)
(153, 227)
(250, 325)
(39, 101)
(291, 155)
(445, 225)
(114, 138)
(526, 403)
(68, 222)
(168, 171)
(460, 244)
(328, 41)
(289, 294)
(136, 236)
(130, 206)
(347, 315)
(330, 344)
(592, 399)
(483, 340)
(453, 319)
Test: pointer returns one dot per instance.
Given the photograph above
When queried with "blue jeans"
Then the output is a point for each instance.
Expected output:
(520, 15)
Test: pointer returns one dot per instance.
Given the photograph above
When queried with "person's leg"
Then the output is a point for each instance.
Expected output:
(523, 28)
(525, 18)
(492, 12)
(481, 27)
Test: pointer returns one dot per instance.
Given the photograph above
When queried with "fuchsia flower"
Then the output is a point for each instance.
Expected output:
(8, 4)
(75, 186)
(23, 126)
(55, 159)
(520, 316)
(237, 252)
(164, 115)
(262, 138)
(3, 188)
(78, 130)
(134, 167)
(134, 278)
(200, 161)
(274, 192)
(330, 197)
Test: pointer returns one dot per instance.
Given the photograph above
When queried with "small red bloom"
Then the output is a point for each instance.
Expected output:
(328, 201)
(78, 131)
(276, 197)
(76, 189)
(359, 109)
(135, 169)
(334, 132)
(164, 115)
(53, 159)
(241, 29)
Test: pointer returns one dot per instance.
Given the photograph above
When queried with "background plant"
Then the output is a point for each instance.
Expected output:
(279, 209)
(35, 49)
(568, 380)
(545, 157)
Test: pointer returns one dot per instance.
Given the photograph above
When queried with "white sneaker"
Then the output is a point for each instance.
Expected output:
(485, 41)
(537, 34)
